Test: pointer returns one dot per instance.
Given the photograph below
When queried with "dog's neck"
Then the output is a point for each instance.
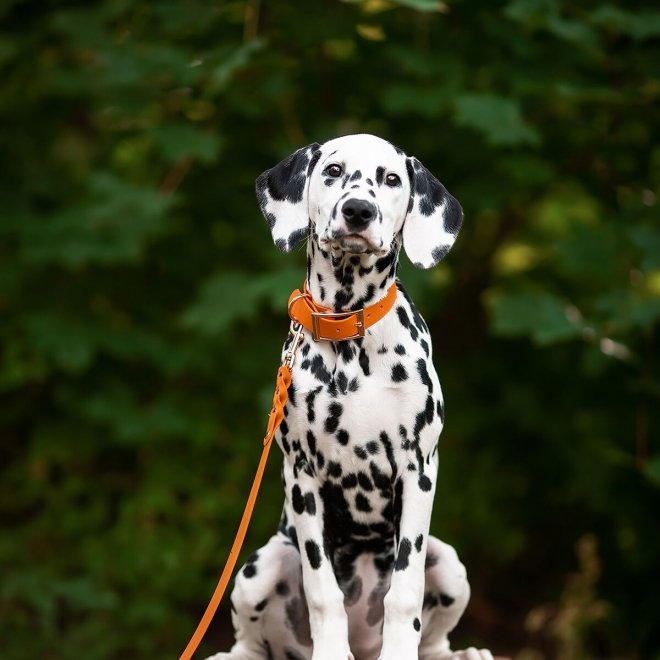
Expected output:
(344, 281)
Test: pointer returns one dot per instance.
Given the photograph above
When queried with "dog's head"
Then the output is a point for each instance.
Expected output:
(359, 193)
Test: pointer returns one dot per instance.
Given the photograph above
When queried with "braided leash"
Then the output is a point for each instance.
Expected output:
(275, 417)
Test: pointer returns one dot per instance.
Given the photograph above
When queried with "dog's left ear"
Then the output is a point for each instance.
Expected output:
(433, 220)
(282, 196)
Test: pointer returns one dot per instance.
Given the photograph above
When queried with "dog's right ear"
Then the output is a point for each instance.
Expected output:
(282, 193)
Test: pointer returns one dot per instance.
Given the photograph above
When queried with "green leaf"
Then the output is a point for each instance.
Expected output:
(497, 118)
(539, 315)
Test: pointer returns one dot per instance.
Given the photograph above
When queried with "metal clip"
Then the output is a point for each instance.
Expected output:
(290, 356)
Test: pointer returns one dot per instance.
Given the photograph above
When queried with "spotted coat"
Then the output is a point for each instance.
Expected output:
(352, 571)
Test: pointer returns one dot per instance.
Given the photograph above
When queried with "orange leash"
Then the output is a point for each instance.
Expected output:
(275, 418)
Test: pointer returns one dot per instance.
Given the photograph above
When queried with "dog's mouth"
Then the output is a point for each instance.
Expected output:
(352, 243)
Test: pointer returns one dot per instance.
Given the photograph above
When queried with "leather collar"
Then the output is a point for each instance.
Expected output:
(324, 324)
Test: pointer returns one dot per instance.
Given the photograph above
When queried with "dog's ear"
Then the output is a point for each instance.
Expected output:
(282, 196)
(433, 220)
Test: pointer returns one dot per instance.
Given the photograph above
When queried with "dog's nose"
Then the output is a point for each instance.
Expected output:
(358, 213)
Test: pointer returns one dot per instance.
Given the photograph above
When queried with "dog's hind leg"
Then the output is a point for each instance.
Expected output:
(268, 613)
(446, 595)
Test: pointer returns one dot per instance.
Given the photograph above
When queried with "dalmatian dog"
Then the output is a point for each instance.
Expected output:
(352, 572)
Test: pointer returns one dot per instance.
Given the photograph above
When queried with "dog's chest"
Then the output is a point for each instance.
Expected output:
(360, 413)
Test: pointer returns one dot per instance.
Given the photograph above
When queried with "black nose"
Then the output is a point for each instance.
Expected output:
(358, 213)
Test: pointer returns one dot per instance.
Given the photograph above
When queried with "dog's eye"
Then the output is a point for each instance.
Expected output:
(393, 180)
(333, 171)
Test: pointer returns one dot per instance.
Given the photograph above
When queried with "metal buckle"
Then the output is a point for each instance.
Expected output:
(359, 324)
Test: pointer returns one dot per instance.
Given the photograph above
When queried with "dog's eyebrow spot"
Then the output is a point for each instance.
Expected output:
(380, 175)
(356, 176)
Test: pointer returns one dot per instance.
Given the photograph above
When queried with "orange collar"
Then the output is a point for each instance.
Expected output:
(325, 324)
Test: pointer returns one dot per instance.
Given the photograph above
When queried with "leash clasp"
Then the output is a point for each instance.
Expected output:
(338, 316)
(290, 355)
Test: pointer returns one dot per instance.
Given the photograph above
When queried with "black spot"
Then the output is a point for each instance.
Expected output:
(417, 625)
(425, 483)
(261, 605)
(362, 503)
(384, 262)
(356, 176)
(363, 359)
(282, 588)
(404, 319)
(310, 503)
(372, 447)
(297, 499)
(418, 543)
(431, 560)
(309, 401)
(380, 480)
(360, 452)
(440, 409)
(339, 525)
(399, 373)
(334, 469)
(342, 437)
(250, 568)
(311, 442)
(295, 237)
(313, 554)
(286, 181)
(365, 482)
(402, 557)
(399, 349)
(335, 411)
(380, 175)
(447, 601)
(319, 370)
(349, 481)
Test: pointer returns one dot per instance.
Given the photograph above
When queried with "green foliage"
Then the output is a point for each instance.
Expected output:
(143, 304)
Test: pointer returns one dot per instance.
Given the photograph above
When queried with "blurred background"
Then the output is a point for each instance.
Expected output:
(143, 303)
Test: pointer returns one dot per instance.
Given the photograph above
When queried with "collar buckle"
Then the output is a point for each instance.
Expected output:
(337, 316)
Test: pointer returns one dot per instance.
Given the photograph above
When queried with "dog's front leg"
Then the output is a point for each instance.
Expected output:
(325, 600)
(402, 627)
